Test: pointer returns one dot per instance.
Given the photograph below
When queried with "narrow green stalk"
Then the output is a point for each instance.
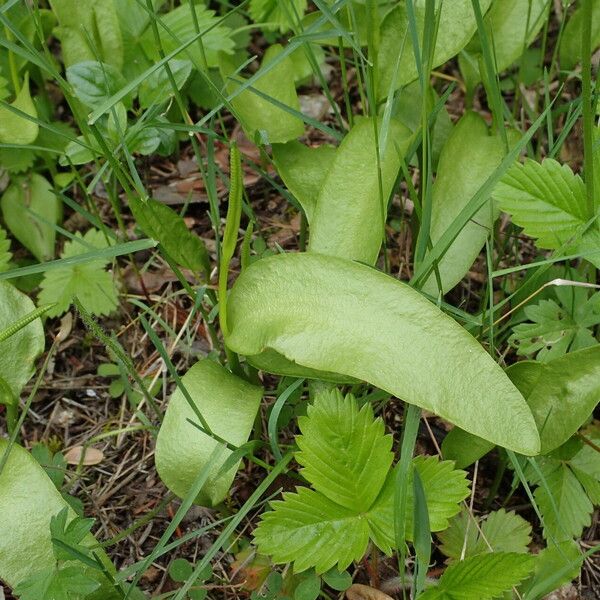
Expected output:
(232, 225)
(412, 417)
(588, 117)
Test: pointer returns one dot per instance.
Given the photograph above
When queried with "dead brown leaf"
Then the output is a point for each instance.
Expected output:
(358, 591)
(85, 456)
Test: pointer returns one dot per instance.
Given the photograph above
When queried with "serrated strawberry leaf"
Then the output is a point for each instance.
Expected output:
(68, 583)
(89, 281)
(348, 464)
(500, 531)
(482, 577)
(549, 202)
(343, 450)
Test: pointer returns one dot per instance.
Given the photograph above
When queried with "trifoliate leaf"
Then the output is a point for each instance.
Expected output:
(555, 328)
(549, 202)
(308, 529)
(312, 528)
(282, 15)
(501, 531)
(68, 583)
(344, 451)
(5, 253)
(564, 505)
(445, 488)
(88, 281)
(71, 533)
(482, 577)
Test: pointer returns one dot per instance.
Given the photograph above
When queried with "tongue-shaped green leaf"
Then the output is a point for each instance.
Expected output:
(229, 405)
(28, 500)
(334, 315)
(348, 217)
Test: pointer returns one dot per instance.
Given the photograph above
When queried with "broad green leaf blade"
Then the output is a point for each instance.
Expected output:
(15, 129)
(265, 119)
(88, 30)
(163, 224)
(570, 45)
(456, 27)
(19, 351)
(31, 209)
(229, 406)
(28, 501)
(501, 531)
(482, 577)
(469, 157)
(564, 505)
(511, 26)
(303, 170)
(344, 451)
(566, 393)
(349, 215)
(407, 108)
(157, 88)
(273, 362)
(331, 314)
(88, 281)
(549, 202)
(445, 488)
(308, 529)
(95, 82)
(464, 448)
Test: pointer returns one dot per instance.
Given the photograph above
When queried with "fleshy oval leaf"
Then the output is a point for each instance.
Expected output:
(564, 395)
(19, 351)
(348, 217)
(28, 501)
(229, 405)
(15, 129)
(31, 209)
(396, 60)
(468, 158)
(335, 315)
(303, 170)
(268, 112)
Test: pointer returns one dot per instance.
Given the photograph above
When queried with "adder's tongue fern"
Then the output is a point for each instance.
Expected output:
(234, 213)
(24, 321)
